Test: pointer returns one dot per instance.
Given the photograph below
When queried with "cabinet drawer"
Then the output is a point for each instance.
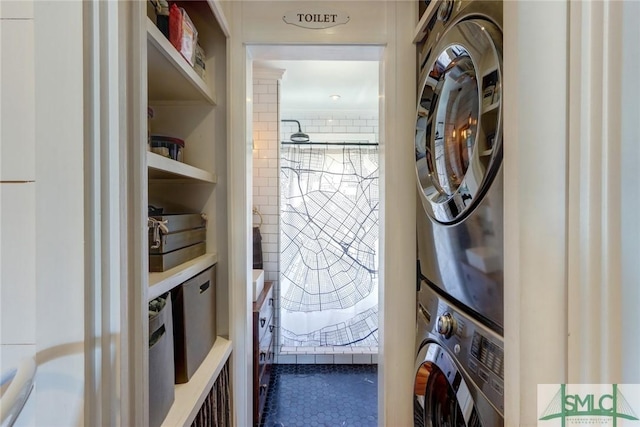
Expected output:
(265, 316)
(265, 326)
(265, 353)
(265, 362)
(263, 390)
(263, 348)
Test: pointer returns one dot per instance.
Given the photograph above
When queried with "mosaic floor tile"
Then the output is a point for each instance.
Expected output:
(322, 396)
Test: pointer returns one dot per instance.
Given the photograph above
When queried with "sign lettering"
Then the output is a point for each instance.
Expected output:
(315, 19)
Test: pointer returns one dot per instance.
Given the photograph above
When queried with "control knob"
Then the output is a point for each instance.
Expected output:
(446, 324)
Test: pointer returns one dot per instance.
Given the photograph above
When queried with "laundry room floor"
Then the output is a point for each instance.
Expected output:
(322, 395)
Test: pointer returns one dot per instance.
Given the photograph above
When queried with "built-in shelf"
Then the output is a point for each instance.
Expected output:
(159, 283)
(421, 28)
(184, 106)
(164, 168)
(170, 77)
(486, 152)
(190, 396)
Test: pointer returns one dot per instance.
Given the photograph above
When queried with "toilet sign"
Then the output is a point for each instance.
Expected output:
(315, 19)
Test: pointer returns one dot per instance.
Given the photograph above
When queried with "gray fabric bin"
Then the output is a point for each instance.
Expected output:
(194, 317)
(161, 374)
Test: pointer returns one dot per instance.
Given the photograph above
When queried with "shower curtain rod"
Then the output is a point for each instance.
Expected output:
(355, 143)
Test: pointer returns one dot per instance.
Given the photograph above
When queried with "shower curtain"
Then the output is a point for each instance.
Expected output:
(329, 245)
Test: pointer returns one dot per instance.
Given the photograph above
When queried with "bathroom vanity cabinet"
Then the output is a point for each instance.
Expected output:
(263, 348)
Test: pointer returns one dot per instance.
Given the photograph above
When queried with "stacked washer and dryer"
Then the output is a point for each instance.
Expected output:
(458, 151)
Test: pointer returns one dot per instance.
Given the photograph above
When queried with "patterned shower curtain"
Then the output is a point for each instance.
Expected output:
(329, 245)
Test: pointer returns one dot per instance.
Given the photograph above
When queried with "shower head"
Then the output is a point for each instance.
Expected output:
(297, 136)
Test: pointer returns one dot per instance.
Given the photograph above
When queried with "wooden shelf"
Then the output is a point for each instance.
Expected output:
(159, 283)
(190, 396)
(164, 168)
(170, 77)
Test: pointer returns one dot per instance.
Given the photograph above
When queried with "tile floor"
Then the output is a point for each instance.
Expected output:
(322, 395)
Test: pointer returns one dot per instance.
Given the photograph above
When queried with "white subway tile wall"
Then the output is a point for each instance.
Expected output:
(332, 125)
(321, 126)
(265, 177)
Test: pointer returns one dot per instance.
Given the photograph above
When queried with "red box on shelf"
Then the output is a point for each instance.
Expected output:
(182, 33)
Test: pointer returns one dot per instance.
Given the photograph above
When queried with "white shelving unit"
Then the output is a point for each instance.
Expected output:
(185, 106)
(159, 283)
(166, 64)
(162, 168)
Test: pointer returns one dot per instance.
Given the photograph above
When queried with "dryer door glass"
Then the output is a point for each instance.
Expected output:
(443, 404)
(458, 127)
(441, 399)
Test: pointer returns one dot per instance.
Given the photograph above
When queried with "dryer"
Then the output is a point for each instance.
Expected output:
(459, 368)
(458, 155)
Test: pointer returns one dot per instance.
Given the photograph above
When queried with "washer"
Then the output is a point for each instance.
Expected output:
(459, 368)
(458, 153)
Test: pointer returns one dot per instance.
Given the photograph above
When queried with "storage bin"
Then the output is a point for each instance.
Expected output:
(167, 146)
(166, 261)
(180, 222)
(194, 318)
(161, 361)
(175, 239)
(178, 240)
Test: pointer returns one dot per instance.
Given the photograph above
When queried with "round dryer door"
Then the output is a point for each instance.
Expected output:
(458, 144)
(441, 395)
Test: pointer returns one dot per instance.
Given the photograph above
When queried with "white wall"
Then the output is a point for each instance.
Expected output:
(17, 190)
(630, 158)
(535, 132)
(571, 270)
(42, 204)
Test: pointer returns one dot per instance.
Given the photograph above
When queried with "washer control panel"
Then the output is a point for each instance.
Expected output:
(488, 353)
(478, 350)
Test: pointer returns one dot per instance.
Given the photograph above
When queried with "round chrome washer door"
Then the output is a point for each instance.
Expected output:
(458, 143)
(441, 395)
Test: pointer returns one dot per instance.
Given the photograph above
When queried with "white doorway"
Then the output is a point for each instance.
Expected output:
(326, 314)
(332, 93)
